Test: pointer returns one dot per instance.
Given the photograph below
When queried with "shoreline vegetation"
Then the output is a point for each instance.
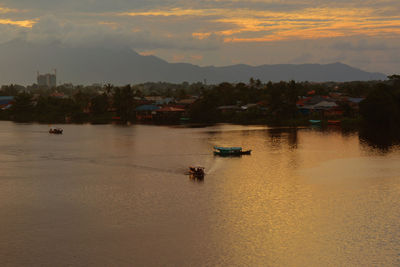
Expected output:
(372, 108)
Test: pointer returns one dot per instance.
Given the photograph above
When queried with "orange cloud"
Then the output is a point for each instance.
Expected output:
(4, 10)
(178, 58)
(147, 53)
(201, 35)
(247, 25)
(112, 25)
(19, 23)
(173, 12)
(196, 57)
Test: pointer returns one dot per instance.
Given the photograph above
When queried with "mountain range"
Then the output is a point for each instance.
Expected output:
(20, 60)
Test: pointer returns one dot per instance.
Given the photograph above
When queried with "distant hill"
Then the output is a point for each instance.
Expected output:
(20, 60)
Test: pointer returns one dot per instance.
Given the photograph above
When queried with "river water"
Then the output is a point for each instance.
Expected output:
(118, 196)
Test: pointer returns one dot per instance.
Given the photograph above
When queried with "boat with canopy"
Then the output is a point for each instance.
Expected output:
(56, 131)
(315, 121)
(230, 151)
(196, 172)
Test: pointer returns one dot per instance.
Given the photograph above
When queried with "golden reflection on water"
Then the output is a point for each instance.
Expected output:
(112, 195)
(300, 200)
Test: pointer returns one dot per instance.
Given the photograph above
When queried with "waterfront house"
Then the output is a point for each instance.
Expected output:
(229, 109)
(59, 95)
(153, 99)
(169, 113)
(165, 101)
(249, 106)
(146, 112)
(353, 103)
(186, 102)
(6, 102)
(324, 105)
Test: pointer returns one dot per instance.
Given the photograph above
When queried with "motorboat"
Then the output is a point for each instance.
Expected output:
(56, 131)
(230, 151)
(197, 172)
(315, 121)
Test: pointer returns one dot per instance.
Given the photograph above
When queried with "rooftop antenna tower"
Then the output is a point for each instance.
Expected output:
(55, 73)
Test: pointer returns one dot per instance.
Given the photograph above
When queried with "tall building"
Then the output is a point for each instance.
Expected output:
(47, 80)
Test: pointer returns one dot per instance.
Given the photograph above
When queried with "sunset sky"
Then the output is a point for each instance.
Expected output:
(362, 33)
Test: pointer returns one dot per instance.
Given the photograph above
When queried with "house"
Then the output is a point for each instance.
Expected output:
(249, 106)
(165, 101)
(57, 94)
(229, 109)
(353, 102)
(169, 113)
(186, 102)
(319, 104)
(146, 112)
(153, 99)
(325, 105)
(329, 109)
(6, 102)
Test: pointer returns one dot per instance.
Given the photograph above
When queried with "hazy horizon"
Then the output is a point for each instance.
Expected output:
(83, 64)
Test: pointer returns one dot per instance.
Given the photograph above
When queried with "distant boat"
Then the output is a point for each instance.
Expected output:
(230, 151)
(197, 172)
(315, 121)
(56, 131)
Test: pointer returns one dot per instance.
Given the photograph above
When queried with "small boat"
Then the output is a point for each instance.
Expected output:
(196, 172)
(333, 122)
(315, 121)
(230, 151)
(56, 131)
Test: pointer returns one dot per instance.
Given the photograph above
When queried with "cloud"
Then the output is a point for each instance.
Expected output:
(20, 23)
(217, 31)
(7, 14)
(363, 45)
(4, 10)
(308, 23)
(260, 21)
(50, 28)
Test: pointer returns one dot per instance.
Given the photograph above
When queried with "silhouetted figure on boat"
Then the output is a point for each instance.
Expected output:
(196, 172)
(56, 131)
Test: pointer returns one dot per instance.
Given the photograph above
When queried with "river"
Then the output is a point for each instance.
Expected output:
(111, 195)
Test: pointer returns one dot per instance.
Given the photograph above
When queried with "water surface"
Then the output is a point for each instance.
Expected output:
(111, 195)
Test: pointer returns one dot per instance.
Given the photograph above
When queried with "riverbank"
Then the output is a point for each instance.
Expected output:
(347, 123)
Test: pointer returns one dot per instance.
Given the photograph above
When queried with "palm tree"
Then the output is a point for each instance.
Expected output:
(109, 88)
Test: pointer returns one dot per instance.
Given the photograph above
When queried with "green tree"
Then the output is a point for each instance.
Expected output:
(123, 101)
(99, 104)
(22, 108)
(108, 88)
(381, 110)
(9, 90)
(55, 110)
(82, 99)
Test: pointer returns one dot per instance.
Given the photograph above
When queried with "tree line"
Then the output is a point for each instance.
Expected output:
(82, 106)
(276, 102)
